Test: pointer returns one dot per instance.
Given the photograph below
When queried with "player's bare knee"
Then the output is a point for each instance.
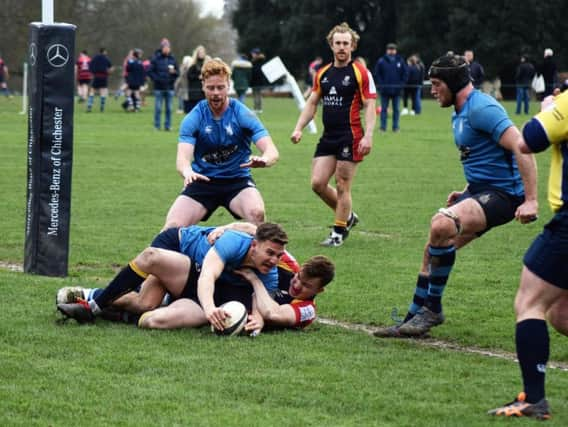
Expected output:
(148, 258)
(255, 215)
(442, 228)
(318, 187)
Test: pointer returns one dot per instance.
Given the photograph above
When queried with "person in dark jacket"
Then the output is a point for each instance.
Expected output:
(163, 72)
(257, 81)
(100, 66)
(391, 74)
(475, 69)
(135, 78)
(548, 70)
(194, 84)
(413, 87)
(523, 78)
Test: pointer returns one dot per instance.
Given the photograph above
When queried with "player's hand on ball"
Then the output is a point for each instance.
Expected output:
(216, 316)
(255, 324)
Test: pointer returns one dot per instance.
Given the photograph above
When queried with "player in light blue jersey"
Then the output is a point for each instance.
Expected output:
(178, 258)
(215, 156)
(501, 186)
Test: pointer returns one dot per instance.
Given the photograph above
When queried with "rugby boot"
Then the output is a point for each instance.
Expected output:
(352, 221)
(80, 311)
(422, 322)
(69, 294)
(520, 408)
(334, 239)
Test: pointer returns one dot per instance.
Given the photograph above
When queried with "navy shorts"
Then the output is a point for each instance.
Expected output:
(498, 206)
(84, 81)
(99, 83)
(167, 239)
(342, 147)
(547, 257)
(217, 192)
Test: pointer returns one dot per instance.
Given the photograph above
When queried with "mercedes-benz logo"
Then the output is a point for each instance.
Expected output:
(57, 55)
(33, 54)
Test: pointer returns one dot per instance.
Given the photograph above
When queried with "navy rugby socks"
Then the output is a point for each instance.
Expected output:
(533, 350)
(128, 279)
(442, 260)
(419, 298)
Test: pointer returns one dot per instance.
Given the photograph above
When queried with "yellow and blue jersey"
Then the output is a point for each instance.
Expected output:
(550, 127)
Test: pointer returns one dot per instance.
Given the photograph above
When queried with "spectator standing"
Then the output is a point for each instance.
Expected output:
(258, 81)
(194, 85)
(83, 75)
(475, 69)
(390, 75)
(413, 87)
(101, 67)
(549, 72)
(241, 73)
(135, 79)
(523, 78)
(163, 72)
(180, 85)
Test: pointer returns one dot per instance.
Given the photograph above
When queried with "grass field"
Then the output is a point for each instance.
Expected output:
(124, 181)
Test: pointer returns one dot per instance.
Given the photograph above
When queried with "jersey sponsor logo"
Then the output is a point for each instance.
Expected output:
(208, 129)
(332, 101)
(333, 91)
(346, 81)
(229, 130)
(220, 156)
(307, 312)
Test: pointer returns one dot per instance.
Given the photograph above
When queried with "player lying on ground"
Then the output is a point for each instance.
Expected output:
(181, 254)
(291, 306)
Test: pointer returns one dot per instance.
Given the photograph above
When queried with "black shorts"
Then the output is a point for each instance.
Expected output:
(134, 87)
(499, 206)
(217, 192)
(100, 83)
(548, 255)
(225, 291)
(84, 81)
(167, 239)
(342, 147)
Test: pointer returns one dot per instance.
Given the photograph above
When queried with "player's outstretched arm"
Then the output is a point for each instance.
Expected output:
(272, 312)
(269, 154)
(183, 164)
(210, 271)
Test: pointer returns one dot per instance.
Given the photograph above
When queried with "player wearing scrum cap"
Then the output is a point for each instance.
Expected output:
(501, 186)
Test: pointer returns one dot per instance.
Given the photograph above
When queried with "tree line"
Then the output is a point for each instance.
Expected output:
(498, 31)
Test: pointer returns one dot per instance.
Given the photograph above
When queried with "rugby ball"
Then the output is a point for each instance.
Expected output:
(236, 320)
